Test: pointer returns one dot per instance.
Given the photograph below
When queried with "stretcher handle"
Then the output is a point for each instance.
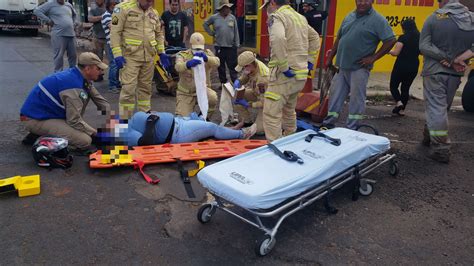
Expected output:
(333, 141)
(286, 155)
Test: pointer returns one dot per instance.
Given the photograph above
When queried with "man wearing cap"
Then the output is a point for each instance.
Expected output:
(295, 46)
(226, 39)
(56, 104)
(136, 37)
(186, 91)
(254, 76)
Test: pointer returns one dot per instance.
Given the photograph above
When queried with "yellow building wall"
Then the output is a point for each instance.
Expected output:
(203, 9)
(395, 14)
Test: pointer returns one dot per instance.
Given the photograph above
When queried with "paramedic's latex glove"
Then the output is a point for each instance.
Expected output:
(242, 102)
(237, 84)
(165, 60)
(202, 55)
(289, 73)
(119, 61)
(192, 63)
(310, 66)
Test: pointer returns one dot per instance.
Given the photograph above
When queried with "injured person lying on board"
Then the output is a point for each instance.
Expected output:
(161, 127)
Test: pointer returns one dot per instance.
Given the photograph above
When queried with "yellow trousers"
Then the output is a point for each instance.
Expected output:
(136, 78)
(185, 102)
(279, 116)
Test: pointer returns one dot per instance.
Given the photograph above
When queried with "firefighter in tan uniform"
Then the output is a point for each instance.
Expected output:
(186, 98)
(136, 37)
(250, 86)
(295, 46)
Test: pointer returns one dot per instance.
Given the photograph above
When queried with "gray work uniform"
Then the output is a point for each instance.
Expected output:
(226, 42)
(441, 39)
(62, 33)
(358, 37)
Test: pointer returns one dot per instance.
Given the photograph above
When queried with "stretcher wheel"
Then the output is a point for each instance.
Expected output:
(264, 245)
(393, 168)
(205, 213)
(369, 188)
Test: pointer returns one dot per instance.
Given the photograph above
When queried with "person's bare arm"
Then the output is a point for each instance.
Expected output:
(396, 49)
(386, 46)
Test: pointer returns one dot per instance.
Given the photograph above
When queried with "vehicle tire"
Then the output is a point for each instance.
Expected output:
(468, 94)
(368, 190)
(393, 168)
(205, 213)
(264, 245)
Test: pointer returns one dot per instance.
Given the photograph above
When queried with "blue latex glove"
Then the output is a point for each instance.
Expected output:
(165, 60)
(242, 102)
(237, 84)
(202, 55)
(119, 61)
(289, 73)
(192, 63)
(310, 66)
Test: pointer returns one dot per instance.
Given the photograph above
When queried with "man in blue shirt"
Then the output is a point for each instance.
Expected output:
(357, 40)
(55, 106)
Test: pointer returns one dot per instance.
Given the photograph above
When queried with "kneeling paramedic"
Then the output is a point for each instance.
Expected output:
(186, 98)
(254, 76)
(56, 104)
(160, 127)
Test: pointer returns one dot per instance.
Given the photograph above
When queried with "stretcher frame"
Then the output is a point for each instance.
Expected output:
(265, 244)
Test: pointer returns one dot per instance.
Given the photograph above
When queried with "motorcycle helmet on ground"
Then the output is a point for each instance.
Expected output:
(52, 152)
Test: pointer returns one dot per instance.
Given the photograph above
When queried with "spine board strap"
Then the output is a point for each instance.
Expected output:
(185, 178)
(140, 165)
(286, 155)
(333, 141)
(149, 135)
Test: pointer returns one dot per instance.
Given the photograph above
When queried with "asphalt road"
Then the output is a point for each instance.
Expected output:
(423, 216)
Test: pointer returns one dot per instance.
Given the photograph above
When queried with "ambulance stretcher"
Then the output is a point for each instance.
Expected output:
(259, 184)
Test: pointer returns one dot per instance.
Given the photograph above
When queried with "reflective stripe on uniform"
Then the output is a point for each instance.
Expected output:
(144, 103)
(133, 42)
(356, 117)
(313, 52)
(274, 63)
(301, 74)
(117, 51)
(272, 96)
(160, 48)
(333, 114)
(438, 133)
(153, 43)
(51, 97)
(127, 105)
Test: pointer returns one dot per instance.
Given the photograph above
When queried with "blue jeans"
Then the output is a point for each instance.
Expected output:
(186, 130)
(113, 70)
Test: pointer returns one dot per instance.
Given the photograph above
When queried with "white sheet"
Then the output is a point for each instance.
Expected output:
(199, 72)
(259, 179)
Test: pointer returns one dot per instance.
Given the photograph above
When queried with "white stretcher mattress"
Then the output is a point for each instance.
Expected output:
(259, 179)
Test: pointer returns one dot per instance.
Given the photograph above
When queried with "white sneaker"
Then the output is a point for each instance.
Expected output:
(248, 132)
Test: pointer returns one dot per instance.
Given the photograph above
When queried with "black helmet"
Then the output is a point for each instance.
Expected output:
(52, 152)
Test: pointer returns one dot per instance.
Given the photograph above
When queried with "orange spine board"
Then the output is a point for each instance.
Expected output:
(168, 153)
